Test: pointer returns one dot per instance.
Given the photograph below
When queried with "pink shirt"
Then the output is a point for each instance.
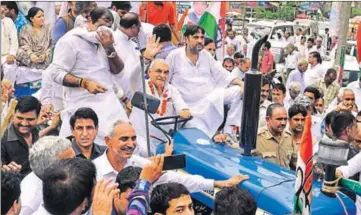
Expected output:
(267, 62)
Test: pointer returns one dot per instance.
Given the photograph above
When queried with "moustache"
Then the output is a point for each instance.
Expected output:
(128, 148)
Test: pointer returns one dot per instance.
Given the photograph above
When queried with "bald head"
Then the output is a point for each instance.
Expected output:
(158, 73)
(129, 20)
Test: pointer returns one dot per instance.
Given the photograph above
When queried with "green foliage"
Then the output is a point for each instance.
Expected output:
(355, 12)
(285, 12)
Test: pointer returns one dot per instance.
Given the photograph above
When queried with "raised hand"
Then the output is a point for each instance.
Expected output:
(153, 47)
(104, 193)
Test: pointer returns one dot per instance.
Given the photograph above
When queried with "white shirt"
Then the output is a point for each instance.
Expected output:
(79, 53)
(202, 86)
(355, 87)
(322, 51)
(9, 39)
(175, 104)
(146, 31)
(238, 73)
(31, 194)
(202, 78)
(308, 51)
(353, 167)
(302, 50)
(42, 211)
(130, 79)
(262, 112)
(194, 183)
(234, 42)
(291, 60)
(313, 73)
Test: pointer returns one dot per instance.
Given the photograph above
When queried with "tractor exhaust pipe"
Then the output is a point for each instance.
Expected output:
(251, 102)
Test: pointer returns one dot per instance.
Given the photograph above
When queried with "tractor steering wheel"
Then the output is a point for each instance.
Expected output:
(170, 120)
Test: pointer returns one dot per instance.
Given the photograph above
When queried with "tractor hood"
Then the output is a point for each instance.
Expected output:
(271, 185)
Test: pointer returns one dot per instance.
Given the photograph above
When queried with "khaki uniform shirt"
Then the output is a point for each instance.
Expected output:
(279, 152)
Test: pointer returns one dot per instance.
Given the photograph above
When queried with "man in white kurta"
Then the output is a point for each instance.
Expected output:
(203, 84)
(80, 56)
(9, 47)
(130, 79)
(158, 87)
(315, 70)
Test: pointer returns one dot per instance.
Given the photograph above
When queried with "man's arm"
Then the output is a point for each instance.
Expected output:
(14, 42)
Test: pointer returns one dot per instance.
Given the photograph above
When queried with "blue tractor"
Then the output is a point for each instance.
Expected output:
(272, 186)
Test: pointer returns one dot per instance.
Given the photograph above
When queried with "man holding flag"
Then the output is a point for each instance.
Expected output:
(303, 186)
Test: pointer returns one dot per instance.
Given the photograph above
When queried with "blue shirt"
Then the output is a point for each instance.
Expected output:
(20, 21)
(165, 50)
(296, 75)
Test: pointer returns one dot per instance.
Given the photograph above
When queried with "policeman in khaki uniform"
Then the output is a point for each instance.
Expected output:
(274, 142)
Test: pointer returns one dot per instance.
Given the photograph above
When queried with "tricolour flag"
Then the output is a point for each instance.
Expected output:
(213, 23)
(303, 196)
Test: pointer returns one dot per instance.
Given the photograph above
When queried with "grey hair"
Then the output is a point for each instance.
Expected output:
(302, 61)
(295, 86)
(111, 130)
(342, 91)
(290, 45)
(157, 60)
(44, 152)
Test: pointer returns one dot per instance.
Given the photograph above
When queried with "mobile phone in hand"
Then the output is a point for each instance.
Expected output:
(174, 162)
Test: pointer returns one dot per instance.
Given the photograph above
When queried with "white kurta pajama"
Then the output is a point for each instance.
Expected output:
(203, 87)
(130, 79)
(79, 53)
(9, 46)
(175, 104)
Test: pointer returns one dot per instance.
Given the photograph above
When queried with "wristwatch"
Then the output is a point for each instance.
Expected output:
(112, 55)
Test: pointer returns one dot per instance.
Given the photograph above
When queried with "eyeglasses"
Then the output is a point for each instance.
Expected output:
(318, 105)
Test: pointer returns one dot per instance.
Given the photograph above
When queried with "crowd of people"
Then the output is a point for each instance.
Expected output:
(73, 142)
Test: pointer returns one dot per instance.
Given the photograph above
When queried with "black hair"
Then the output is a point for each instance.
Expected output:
(311, 39)
(84, 113)
(238, 55)
(297, 109)
(342, 121)
(32, 12)
(27, 104)
(11, 5)
(331, 70)
(316, 93)
(326, 29)
(162, 32)
(67, 183)
(127, 178)
(227, 59)
(192, 30)
(98, 12)
(207, 41)
(300, 29)
(265, 81)
(303, 37)
(10, 190)
(267, 44)
(129, 20)
(279, 86)
(235, 201)
(122, 5)
(317, 55)
(329, 117)
(163, 194)
(271, 107)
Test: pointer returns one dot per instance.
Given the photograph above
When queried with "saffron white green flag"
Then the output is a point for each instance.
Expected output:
(209, 20)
